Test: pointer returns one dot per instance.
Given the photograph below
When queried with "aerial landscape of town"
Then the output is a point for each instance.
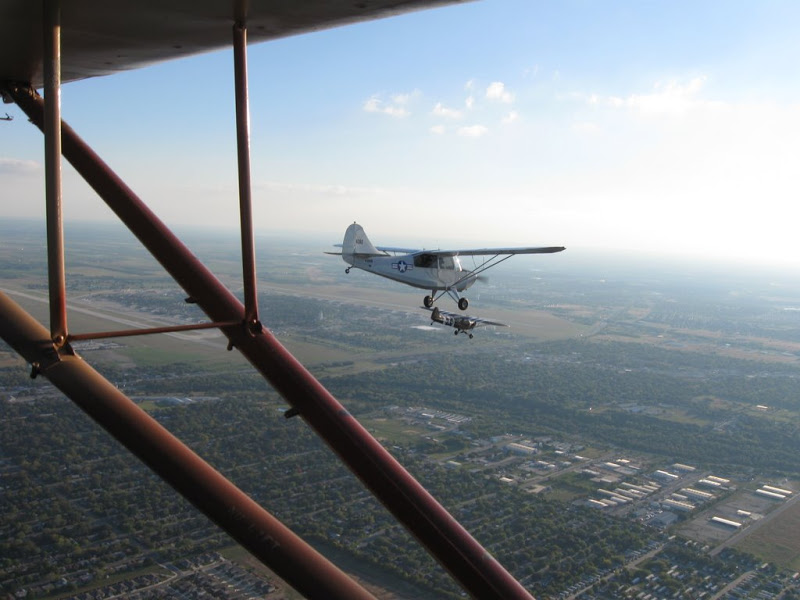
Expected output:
(632, 433)
(571, 373)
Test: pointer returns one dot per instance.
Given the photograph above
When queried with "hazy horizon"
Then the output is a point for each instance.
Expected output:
(602, 262)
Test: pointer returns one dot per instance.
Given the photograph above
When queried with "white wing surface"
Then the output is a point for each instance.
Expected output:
(498, 251)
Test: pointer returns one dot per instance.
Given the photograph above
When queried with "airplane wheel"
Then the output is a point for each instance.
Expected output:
(455, 332)
(463, 303)
(470, 336)
(428, 301)
(347, 270)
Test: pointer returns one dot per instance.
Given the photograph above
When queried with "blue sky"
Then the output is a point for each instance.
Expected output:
(664, 127)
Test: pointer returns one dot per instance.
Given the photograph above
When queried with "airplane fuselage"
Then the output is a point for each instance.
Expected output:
(434, 270)
(420, 270)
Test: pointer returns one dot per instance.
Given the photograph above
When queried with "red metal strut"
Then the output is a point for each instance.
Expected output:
(245, 196)
(51, 36)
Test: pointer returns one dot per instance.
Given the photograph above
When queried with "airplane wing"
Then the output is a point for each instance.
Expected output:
(99, 37)
(497, 251)
(456, 317)
(479, 321)
(472, 252)
(394, 250)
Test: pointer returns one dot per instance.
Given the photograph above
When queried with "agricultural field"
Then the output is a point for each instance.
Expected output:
(777, 541)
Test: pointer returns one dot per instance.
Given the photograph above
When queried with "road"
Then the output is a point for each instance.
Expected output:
(732, 585)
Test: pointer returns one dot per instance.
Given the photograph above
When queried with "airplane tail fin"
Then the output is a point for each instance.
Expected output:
(356, 242)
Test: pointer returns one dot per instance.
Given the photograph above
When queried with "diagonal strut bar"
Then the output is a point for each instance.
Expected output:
(466, 560)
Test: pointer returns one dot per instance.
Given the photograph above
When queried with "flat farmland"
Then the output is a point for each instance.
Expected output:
(777, 541)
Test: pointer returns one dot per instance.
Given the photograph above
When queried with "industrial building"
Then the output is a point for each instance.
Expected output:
(726, 522)
(697, 494)
(776, 490)
(772, 495)
(677, 505)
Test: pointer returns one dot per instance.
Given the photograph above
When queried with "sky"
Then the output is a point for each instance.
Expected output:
(648, 127)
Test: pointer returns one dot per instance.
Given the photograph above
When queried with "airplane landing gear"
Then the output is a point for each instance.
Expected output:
(463, 303)
(347, 270)
(427, 301)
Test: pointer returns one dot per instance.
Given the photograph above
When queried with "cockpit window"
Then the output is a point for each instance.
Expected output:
(433, 261)
(446, 262)
(425, 261)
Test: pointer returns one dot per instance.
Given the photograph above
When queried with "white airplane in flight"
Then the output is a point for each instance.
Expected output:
(436, 270)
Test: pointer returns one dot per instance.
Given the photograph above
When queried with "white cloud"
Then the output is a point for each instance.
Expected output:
(497, 91)
(470, 102)
(396, 107)
(438, 129)
(449, 113)
(402, 99)
(510, 117)
(11, 166)
(667, 98)
(474, 131)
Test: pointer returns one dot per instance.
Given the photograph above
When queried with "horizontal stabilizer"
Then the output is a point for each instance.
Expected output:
(357, 254)
(398, 250)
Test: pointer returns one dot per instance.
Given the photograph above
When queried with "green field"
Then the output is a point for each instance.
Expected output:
(778, 541)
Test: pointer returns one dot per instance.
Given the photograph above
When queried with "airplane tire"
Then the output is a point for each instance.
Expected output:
(470, 336)
(463, 303)
(427, 301)
(455, 332)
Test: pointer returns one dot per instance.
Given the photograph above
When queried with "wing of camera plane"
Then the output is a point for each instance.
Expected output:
(100, 37)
